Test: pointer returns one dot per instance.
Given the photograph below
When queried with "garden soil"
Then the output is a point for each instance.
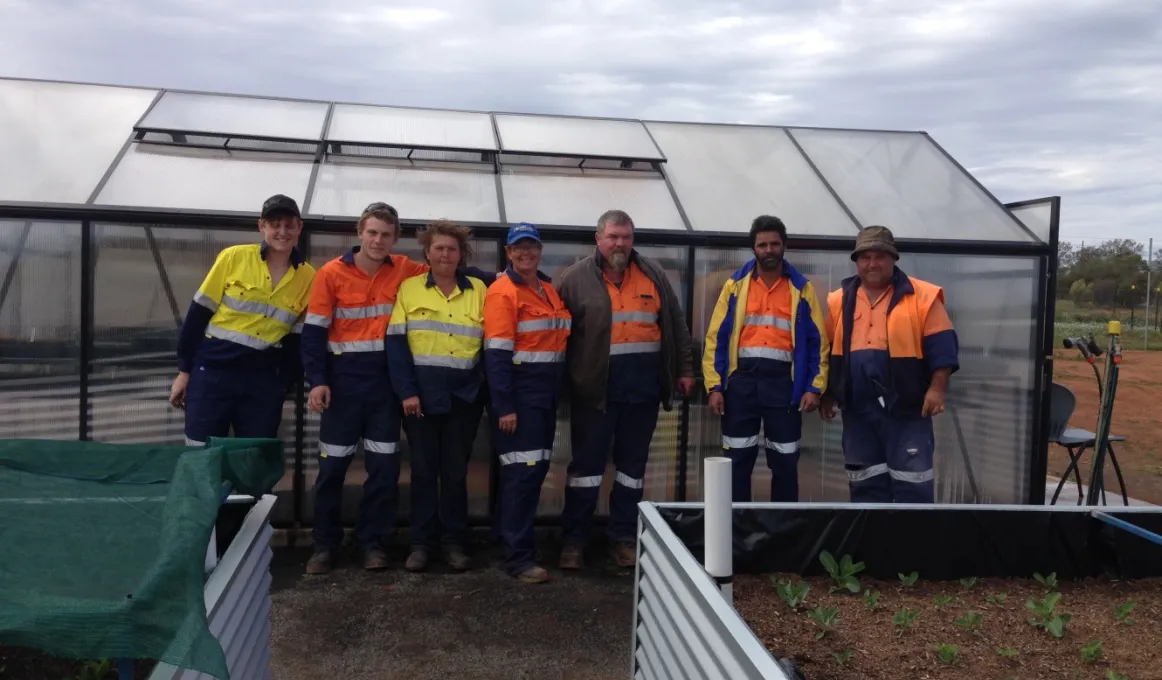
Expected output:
(881, 650)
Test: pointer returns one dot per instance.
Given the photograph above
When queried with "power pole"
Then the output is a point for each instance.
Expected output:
(1149, 270)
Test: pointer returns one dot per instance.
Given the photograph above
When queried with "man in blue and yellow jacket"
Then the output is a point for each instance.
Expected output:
(765, 362)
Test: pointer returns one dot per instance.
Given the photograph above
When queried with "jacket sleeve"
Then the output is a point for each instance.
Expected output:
(292, 355)
(818, 345)
(940, 344)
(400, 365)
(683, 343)
(202, 309)
(500, 316)
(716, 353)
(488, 278)
(316, 326)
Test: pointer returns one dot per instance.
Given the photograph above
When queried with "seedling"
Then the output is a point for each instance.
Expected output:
(1114, 675)
(941, 600)
(793, 595)
(910, 579)
(1050, 581)
(96, 670)
(1091, 652)
(1007, 652)
(1122, 612)
(825, 619)
(905, 618)
(996, 599)
(1045, 616)
(948, 653)
(968, 583)
(843, 572)
(871, 598)
(969, 621)
(841, 658)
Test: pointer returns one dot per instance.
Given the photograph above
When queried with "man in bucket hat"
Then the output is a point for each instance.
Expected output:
(893, 349)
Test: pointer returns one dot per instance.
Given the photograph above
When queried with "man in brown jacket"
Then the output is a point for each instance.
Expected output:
(629, 349)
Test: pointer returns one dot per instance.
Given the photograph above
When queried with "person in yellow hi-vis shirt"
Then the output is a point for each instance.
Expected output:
(238, 348)
(434, 344)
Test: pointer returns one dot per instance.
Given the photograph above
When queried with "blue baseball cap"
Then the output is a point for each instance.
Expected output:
(522, 230)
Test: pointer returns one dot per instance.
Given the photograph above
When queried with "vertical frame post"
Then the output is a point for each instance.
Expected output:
(684, 412)
(86, 349)
(1047, 296)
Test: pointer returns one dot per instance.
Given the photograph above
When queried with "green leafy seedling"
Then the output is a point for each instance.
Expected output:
(1050, 581)
(1045, 615)
(871, 598)
(909, 580)
(941, 600)
(1007, 652)
(996, 599)
(793, 594)
(1114, 675)
(948, 653)
(842, 658)
(968, 583)
(843, 572)
(970, 621)
(97, 670)
(1091, 652)
(905, 618)
(825, 619)
(1122, 612)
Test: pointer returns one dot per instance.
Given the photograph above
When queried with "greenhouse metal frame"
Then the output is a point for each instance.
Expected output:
(154, 182)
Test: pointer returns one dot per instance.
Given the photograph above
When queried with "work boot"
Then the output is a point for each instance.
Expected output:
(533, 574)
(571, 557)
(320, 563)
(375, 559)
(457, 558)
(417, 561)
(624, 553)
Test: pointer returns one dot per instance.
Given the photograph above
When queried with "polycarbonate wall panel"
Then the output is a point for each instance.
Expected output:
(151, 176)
(984, 437)
(1036, 216)
(408, 127)
(58, 139)
(726, 175)
(901, 180)
(575, 136)
(428, 194)
(578, 200)
(40, 329)
(245, 116)
(326, 247)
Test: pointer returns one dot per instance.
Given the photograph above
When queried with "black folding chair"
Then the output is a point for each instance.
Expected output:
(1076, 441)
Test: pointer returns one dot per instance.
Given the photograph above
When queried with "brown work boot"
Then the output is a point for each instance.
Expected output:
(320, 563)
(457, 558)
(533, 574)
(417, 561)
(375, 559)
(572, 557)
(624, 553)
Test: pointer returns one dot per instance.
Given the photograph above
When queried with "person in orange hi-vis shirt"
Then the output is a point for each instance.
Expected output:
(526, 329)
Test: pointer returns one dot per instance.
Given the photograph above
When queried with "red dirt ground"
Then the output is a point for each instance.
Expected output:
(1137, 414)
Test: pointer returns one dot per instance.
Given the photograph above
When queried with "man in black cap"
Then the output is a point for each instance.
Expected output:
(893, 349)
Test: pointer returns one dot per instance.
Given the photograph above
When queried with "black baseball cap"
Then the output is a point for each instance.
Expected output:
(280, 205)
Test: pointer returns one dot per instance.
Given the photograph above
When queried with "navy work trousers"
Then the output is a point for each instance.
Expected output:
(888, 459)
(782, 428)
(629, 429)
(218, 399)
(440, 449)
(349, 421)
(524, 462)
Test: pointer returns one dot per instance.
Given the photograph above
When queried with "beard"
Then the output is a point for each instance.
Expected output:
(770, 262)
(619, 260)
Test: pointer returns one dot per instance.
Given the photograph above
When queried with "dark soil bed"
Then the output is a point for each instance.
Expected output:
(22, 663)
(865, 643)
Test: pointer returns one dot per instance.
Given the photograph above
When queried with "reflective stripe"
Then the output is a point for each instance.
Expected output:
(739, 442)
(498, 343)
(240, 338)
(256, 307)
(781, 447)
(644, 317)
(397, 329)
(867, 473)
(191, 442)
(635, 348)
(764, 353)
(764, 320)
(534, 456)
(205, 301)
(584, 482)
(363, 312)
(319, 320)
(445, 327)
(544, 325)
(356, 346)
(538, 357)
(379, 447)
(912, 477)
(444, 361)
(625, 480)
(335, 450)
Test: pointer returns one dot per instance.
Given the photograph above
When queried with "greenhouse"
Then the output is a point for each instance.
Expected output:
(115, 200)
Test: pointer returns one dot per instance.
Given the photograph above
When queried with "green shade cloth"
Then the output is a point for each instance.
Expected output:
(103, 545)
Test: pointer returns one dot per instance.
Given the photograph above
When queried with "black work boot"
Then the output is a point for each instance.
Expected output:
(320, 563)
(375, 559)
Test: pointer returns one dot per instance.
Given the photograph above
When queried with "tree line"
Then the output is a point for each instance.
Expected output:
(1111, 274)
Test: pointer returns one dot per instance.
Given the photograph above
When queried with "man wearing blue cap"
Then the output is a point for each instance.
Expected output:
(526, 327)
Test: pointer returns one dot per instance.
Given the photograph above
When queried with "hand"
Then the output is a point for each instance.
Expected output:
(827, 407)
(933, 402)
(717, 403)
(685, 386)
(809, 402)
(411, 407)
(508, 423)
(177, 393)
(319, 399)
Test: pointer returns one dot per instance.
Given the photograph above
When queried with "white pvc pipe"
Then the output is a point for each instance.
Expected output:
(718, 538)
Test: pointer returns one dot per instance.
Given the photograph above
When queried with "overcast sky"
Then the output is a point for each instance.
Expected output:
(1034, 97)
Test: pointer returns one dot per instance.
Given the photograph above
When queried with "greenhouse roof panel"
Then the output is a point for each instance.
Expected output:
(468, 195)
(579, 199)
(239, 116)
(406, 127)
(558, 135)
(1037, 216)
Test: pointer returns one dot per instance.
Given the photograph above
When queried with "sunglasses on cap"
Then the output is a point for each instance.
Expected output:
(380, 206)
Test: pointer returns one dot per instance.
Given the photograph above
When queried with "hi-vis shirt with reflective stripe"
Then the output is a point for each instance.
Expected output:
(237, 312)
(635, 350)
(525, 336)
(343, 335)
(766, 329)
